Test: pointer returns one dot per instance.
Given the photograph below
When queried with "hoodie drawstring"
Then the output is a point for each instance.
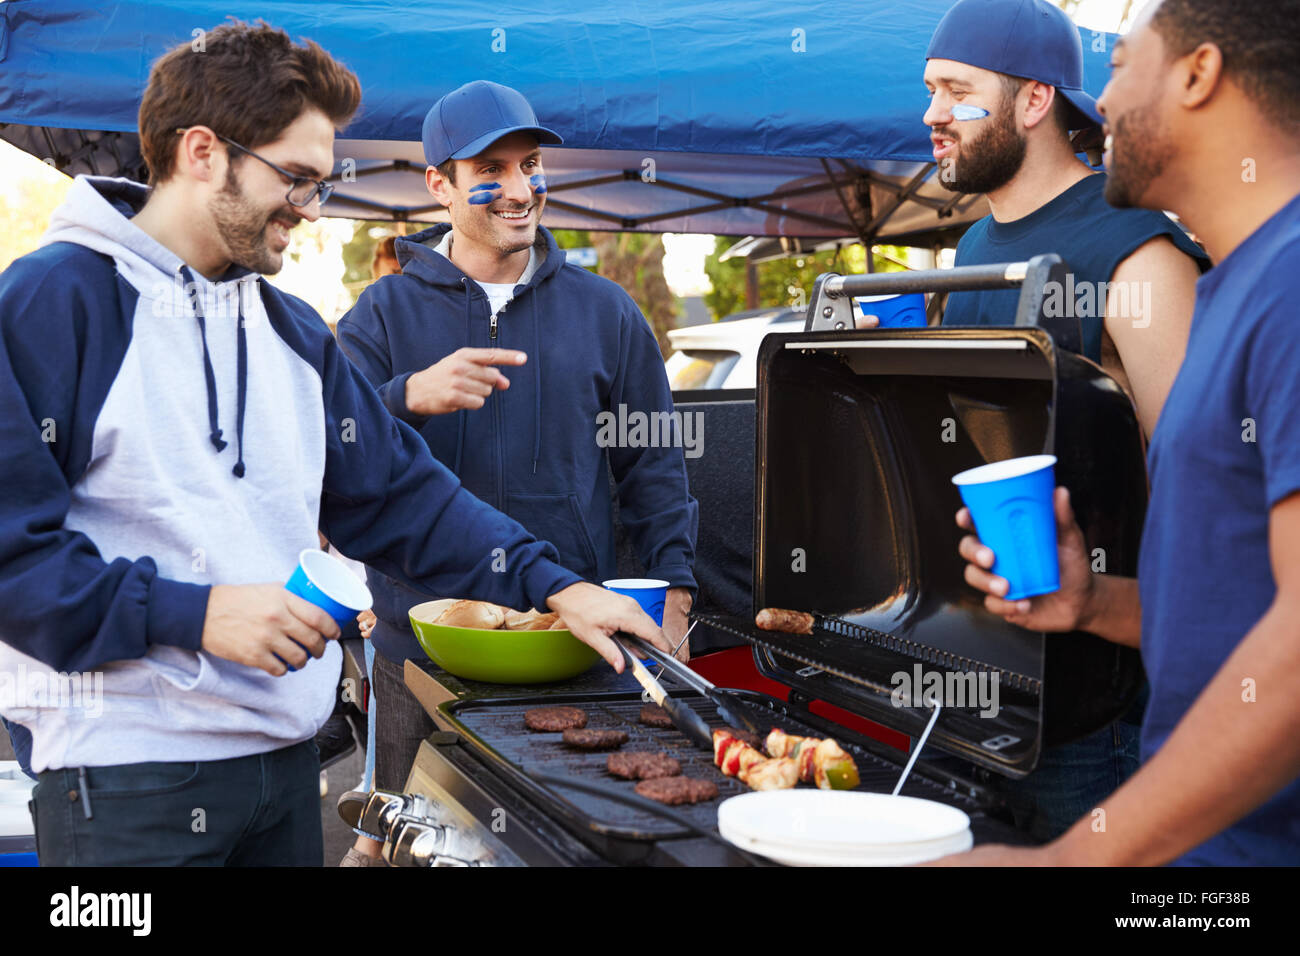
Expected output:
(241, 385)
(195, 295)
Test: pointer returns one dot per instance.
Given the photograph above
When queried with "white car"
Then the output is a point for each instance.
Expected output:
(725, 354)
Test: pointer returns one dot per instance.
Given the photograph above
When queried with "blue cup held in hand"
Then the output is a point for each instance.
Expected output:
(329, 584)
(1011, 504)
(895, 311)
(650, 593)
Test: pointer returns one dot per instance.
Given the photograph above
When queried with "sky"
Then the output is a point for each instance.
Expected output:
(318, 278)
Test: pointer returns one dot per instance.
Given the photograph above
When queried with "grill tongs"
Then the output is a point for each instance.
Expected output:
(730, 707)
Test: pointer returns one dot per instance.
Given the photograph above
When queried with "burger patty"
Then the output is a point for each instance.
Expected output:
(554, 719)
(642, 766)
(592, 739)
(678, 790)
(652, 715)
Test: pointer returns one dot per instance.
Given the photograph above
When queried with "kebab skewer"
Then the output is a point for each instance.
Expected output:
(736, 758)
(822, 762)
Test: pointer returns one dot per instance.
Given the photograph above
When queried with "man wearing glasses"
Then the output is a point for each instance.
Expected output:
(173, 433)
(237, 217)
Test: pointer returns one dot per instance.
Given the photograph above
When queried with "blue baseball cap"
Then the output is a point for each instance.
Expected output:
(471, 118)
(1031, 39)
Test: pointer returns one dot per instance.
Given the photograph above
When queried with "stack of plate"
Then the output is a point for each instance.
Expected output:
(843, 827)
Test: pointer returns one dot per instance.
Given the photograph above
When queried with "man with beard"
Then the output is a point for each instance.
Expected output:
(1006, 81)
(174, 432)
(1005, 78)
(492, 289)
(1203, 109)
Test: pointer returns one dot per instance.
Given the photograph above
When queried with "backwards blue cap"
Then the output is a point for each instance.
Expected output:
(471, 118)
(1031, 39)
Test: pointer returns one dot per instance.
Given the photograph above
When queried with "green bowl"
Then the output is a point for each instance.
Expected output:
(502, 657)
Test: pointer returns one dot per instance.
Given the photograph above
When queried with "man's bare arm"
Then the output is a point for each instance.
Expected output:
(1148, 314)
(1231, 751)
(1227, 755)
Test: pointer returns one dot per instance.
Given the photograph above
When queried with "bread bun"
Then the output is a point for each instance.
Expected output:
(476, 614)
(520, 620)
(430, 611)
(544, 622)
(559, 625)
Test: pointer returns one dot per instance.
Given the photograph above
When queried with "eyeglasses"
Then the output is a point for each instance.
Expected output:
(302, 190)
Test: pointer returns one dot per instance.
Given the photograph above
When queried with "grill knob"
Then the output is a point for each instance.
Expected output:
(411, 843)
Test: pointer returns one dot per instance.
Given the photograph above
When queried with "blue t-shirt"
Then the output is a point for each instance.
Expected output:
(1089, 234)
(1225, 451)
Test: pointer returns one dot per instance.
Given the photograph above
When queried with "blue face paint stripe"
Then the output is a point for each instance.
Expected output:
(538, 182)
(484, 193)
(963, 111)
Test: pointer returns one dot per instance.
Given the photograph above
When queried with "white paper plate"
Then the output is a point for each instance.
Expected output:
(843, 828)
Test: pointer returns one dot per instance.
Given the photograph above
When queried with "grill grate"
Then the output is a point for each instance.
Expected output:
(498, 728)
(826, 630)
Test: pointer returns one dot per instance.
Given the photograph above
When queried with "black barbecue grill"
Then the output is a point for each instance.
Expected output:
(627, 833)
(858, 434)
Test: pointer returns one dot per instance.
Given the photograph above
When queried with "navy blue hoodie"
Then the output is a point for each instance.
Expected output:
(532, 450)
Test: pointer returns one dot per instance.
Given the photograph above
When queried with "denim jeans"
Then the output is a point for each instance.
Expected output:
(368, 775)
(1071, 780)
(400, 724)
(260, 810)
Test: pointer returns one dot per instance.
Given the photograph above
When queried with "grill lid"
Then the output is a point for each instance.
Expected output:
(858, 436)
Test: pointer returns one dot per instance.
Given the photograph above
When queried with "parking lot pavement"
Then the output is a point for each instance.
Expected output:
(342, 777)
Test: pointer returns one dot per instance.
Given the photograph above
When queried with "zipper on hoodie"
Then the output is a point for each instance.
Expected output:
(498, 414)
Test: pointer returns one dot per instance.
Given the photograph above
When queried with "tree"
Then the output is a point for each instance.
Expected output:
(785, 282)
(27, 219)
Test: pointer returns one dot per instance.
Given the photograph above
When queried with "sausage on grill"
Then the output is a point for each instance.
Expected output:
(779, 619)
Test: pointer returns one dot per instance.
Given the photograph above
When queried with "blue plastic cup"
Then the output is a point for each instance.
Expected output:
(328, 583)
(1011, 504)
(650, 593)
(895, 311)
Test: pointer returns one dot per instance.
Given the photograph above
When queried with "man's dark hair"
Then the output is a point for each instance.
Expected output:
(1260, 43)
(244, 81)
(1061, 115)
(448, 170)
(386, 248)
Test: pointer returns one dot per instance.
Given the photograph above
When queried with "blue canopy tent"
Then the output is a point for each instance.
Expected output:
(756, 118)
